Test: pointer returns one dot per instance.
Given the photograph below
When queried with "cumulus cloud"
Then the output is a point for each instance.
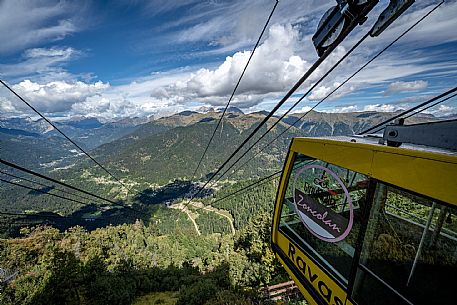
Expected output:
(274, 68)
(322, 91)
(400, 86)
(303, 109)
(111, 105)
(443, 110)
(7, 107)
(382, 108)
(343, 109)
(58, 96)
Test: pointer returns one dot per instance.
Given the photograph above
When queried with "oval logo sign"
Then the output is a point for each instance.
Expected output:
(320, 192)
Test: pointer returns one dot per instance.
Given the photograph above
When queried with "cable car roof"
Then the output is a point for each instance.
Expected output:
(424, 170)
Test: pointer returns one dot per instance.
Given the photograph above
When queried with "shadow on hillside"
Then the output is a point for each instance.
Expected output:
(177, 190)
(74, 282)
(90, 217)
(93, 216)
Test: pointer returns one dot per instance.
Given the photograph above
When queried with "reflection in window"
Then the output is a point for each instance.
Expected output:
(317, 211)
(410, 248)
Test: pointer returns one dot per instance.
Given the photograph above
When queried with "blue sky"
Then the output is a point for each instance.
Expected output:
(142, 58)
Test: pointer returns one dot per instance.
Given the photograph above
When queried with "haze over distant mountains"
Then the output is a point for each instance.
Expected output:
(138, 140)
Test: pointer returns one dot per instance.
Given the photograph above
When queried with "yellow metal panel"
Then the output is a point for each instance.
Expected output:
(424, 172)
(312, 148)
(323, 285)
(432, 178)
(429, 173)
(354, 158)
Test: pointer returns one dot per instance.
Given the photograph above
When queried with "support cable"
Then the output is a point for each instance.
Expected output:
(430, 106)
(236, 87)
(316, 64)
(325, 98)
(28, 171)
(45, 185)
(376, 127)
(417, 112)
(63, 134)
(258, 182)
(41, 191)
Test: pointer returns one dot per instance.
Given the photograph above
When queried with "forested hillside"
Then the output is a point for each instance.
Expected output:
(152, 243)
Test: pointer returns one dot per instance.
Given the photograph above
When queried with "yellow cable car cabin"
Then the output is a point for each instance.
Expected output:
(358, 222)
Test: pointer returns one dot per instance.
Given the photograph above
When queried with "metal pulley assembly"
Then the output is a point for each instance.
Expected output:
(342, 18)
(339, 20)
(392, 12)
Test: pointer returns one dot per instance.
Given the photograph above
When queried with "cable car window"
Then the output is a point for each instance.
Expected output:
(409, 251)
(321, 213)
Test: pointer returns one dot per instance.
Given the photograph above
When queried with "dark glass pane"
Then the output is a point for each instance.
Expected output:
(373, 292)
(411, 244)
(321, 213)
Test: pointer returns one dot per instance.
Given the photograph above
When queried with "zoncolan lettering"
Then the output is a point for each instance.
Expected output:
(323, 288)
(316, 205)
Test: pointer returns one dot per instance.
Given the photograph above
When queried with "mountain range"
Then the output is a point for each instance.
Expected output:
(169, 146)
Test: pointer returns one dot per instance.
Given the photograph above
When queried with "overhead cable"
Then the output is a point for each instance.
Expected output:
(30, 215)
(376, 127)
(430, 106)
(45, 185)
(236, 87)
(316, 64)
(28, 171)
(41, 191)
(322, 100)
(62, 133)
(417, 112)
(259, 182)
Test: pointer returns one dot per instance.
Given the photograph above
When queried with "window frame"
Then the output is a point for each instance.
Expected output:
(358, 265)
(322, 262)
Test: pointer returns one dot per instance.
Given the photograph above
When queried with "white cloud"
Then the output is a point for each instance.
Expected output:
(45, 63)
(7, 107)
(274, 68)
(228, 26)
(442, 110)
(414, 99)
(400, 86)
(342, 109)
(322, 91)
(303, 109)
(28, 23)
(57, 96)
(111, 105)
(382, 108)
(60, 53)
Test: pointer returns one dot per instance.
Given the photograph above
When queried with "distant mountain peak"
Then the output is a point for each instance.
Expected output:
(187, 113)
(84, 123)
(231, 109)
(204, 109)
(261, 112)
